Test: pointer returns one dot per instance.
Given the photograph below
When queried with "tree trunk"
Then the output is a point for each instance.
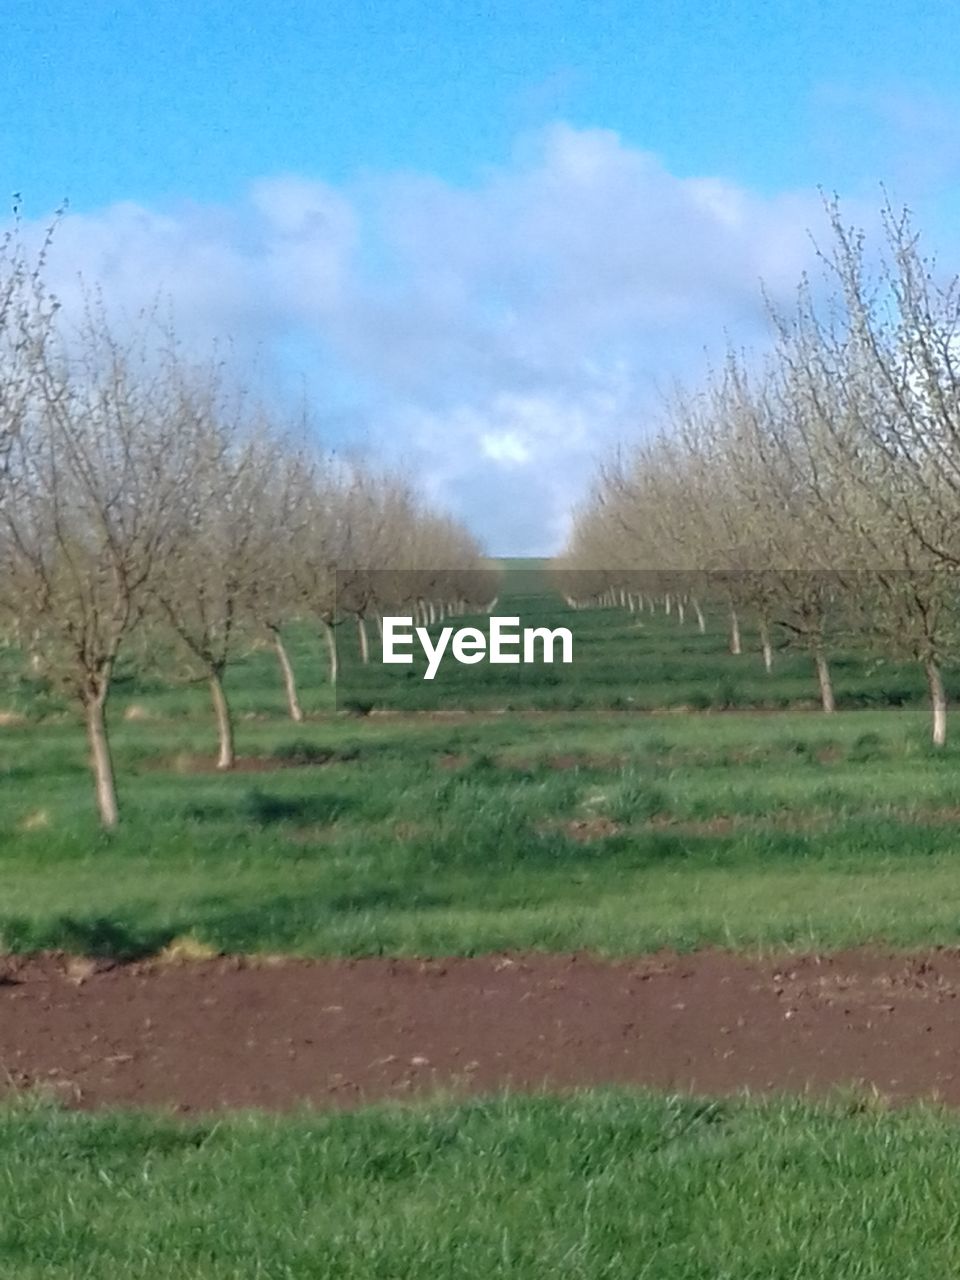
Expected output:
(823, 678)
(378, 619)
(289, 679)
(364, 642)
(765, 646)
(330, 635)
(681, 610)
(701, 621)
(101, 762)
(666, 605)
(735, 646)
(938, 702)
(226, 757)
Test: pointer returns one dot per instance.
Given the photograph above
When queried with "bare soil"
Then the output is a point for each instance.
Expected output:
(192, 764)
(277, 1033)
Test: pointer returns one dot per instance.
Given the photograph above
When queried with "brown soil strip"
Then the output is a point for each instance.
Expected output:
(243, 764)
(338, 1033)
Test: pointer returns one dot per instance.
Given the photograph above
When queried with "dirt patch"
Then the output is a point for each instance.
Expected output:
(563, 763)
(597, 827)
(275, 1033)
(720, 824)
(191, 764)
(947, 816)
(584, 830)
(453, 761)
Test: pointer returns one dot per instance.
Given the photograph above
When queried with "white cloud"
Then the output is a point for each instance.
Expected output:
(497, 336)
(505, 446)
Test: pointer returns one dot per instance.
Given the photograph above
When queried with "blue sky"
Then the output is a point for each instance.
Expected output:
(483, 236)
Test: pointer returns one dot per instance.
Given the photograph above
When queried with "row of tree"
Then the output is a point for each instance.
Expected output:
(141, 494)
(816, 488)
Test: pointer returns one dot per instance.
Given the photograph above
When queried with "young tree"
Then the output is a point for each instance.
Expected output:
(220, 549)
(92, 470)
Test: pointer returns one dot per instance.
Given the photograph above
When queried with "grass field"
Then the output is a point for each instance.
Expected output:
(452, 831)
(603, 1185)
(554, 812)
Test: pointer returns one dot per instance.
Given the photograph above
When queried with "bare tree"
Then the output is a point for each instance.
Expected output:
(84, 516)
(220, 548)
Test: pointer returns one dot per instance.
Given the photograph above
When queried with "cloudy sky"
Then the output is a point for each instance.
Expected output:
(481, 238)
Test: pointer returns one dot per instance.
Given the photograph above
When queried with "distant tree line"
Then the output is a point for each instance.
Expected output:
(814, 490)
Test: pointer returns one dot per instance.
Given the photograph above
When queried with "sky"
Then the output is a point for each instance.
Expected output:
(482, 240)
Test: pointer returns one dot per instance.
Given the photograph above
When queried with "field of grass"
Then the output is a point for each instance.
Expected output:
(604, 1185)
(613, 831)
(559, 809)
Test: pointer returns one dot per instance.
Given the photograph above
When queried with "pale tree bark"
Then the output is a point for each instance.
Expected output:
(364, 640)
(289, 677)
(681, 610)
(765, 646)
(701, 621)
(938, 702)
(101, 761)
(333, 656)
(735, 645)
(226, 757)
(824, 680)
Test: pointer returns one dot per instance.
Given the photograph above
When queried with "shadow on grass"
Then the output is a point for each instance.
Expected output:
(96, 936)
(278, 921)
(287, 920)
(266, 809)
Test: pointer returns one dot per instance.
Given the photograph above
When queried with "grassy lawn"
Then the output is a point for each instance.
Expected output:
(598, 1185)
(615, 832)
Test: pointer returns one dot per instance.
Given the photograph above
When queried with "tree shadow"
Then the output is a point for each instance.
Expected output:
(95, 936)
(265, 809)
(287, 919)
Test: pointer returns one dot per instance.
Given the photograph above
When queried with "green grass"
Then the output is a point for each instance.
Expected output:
(604, 1185)
(462, 829)
(418, 835)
